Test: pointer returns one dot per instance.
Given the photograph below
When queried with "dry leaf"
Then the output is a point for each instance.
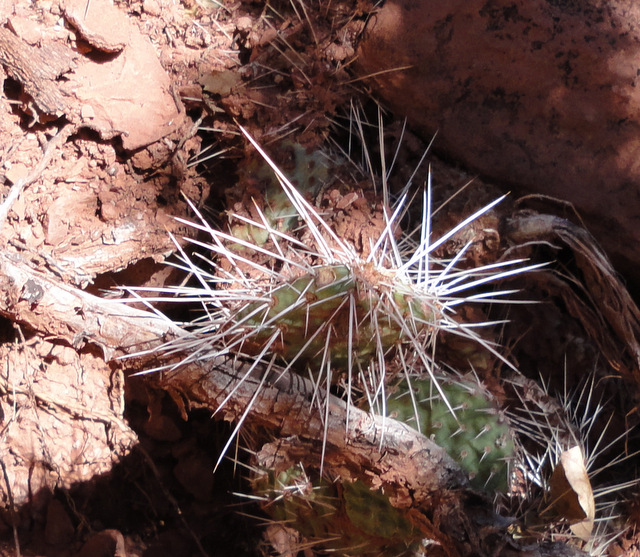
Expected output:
(571, 493)
(221, 83)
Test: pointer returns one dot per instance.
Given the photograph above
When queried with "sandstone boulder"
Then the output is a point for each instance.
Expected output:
(539, 95)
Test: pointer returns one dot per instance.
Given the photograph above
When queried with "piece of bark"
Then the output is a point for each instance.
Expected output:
(37, 69)
(597, 297)
(46, 305)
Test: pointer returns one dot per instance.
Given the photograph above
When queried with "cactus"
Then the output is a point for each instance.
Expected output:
(348, 518)
(309, 297)
(477, 435)
(307, 170)
(328, 314)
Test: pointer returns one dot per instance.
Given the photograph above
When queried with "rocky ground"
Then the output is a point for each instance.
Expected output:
(112, 116)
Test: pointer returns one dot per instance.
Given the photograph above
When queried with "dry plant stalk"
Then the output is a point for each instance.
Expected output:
(416, 472)
(597, 298)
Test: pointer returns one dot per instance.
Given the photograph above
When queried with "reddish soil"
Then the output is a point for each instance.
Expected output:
(111, 116)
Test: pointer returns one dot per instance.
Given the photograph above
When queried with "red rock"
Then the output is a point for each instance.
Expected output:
(108, 543)
(541, 96)
(130, 93)
(194, 471)
(59, 528)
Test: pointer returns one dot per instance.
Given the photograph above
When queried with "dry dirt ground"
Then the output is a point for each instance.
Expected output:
(110, 117)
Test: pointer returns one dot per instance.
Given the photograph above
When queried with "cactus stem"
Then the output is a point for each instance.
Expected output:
(307, 299)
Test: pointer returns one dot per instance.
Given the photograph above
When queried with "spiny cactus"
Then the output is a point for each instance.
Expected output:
(331, 314)
(476, 434)
(348, 518)
(310, 297)
(285, 288)
(307, 170)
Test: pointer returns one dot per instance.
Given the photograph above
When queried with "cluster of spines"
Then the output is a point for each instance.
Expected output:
(557, 467)
(332, 306)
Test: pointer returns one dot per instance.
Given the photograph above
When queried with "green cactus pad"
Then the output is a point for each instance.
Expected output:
(349, 518)
(306, 169)
(360, 314)
(478, 436)
(371, 512)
